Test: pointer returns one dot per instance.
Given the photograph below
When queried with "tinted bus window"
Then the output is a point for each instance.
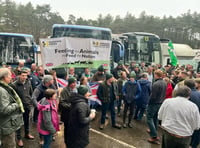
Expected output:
(81, 32)
(14, 48)
(143, 47)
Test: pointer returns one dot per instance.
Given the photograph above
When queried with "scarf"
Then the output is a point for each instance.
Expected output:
(13, 93)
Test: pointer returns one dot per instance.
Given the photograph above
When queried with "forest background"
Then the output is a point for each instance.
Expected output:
(38, 21)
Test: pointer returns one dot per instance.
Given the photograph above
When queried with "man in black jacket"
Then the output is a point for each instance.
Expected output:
(65, 104)
(107, 93)
(24, 89)
(157, 96)
(79, 119)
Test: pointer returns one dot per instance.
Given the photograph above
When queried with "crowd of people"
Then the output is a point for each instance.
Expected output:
(167, 93)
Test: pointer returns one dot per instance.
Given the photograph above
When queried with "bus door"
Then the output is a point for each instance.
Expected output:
(117, 53)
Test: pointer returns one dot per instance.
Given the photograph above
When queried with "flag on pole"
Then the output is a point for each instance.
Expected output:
(172, 54)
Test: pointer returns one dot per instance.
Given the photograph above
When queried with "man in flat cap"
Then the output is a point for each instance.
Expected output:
(24, 89)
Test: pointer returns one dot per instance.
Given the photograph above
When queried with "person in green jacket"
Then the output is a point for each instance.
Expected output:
(11, 110)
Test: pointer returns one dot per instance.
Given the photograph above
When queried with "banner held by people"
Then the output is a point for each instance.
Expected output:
(75, 52)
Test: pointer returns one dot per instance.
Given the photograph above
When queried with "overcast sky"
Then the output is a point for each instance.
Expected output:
(90, 9)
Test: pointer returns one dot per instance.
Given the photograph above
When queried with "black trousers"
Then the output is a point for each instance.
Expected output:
(26, 124)
(35, 115)
(129, 106)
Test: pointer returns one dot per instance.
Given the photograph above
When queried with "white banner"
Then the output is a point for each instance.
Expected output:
(79, 52)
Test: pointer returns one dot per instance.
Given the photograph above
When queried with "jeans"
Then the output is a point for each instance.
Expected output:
(47, 140)
(195, 139)
(8, 141)
(126, 107)
(26, 124)
(104, 109)
(119, 104)
(169, 141)
(139, 112)
(152, 118)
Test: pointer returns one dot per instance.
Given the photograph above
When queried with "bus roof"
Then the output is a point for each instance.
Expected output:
(181, 50)
(82, 27)
(16, 34)
(140, 33)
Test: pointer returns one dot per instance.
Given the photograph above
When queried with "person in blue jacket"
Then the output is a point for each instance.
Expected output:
(131, 91)
(142, 101)
(195, 98)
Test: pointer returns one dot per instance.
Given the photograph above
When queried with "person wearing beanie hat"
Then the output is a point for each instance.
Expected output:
(79, 119)
(136, 65)
(137, 71)
(99, 76)
(4, 64)
(107, 93)
(65, 103)
(71, 80)
(120, 63)
(131, 91)
(108, 76)
(23, 70)
(82, 90)
(23, 86)
(101, 68)
(132, 74)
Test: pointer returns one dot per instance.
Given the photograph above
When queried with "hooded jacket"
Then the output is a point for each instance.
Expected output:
(145, 85)
(131, 91)
(48, 122)
(79, 119)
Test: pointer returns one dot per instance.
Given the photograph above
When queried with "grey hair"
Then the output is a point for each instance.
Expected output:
(183, 91)
(144, 75)
(4, 72)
